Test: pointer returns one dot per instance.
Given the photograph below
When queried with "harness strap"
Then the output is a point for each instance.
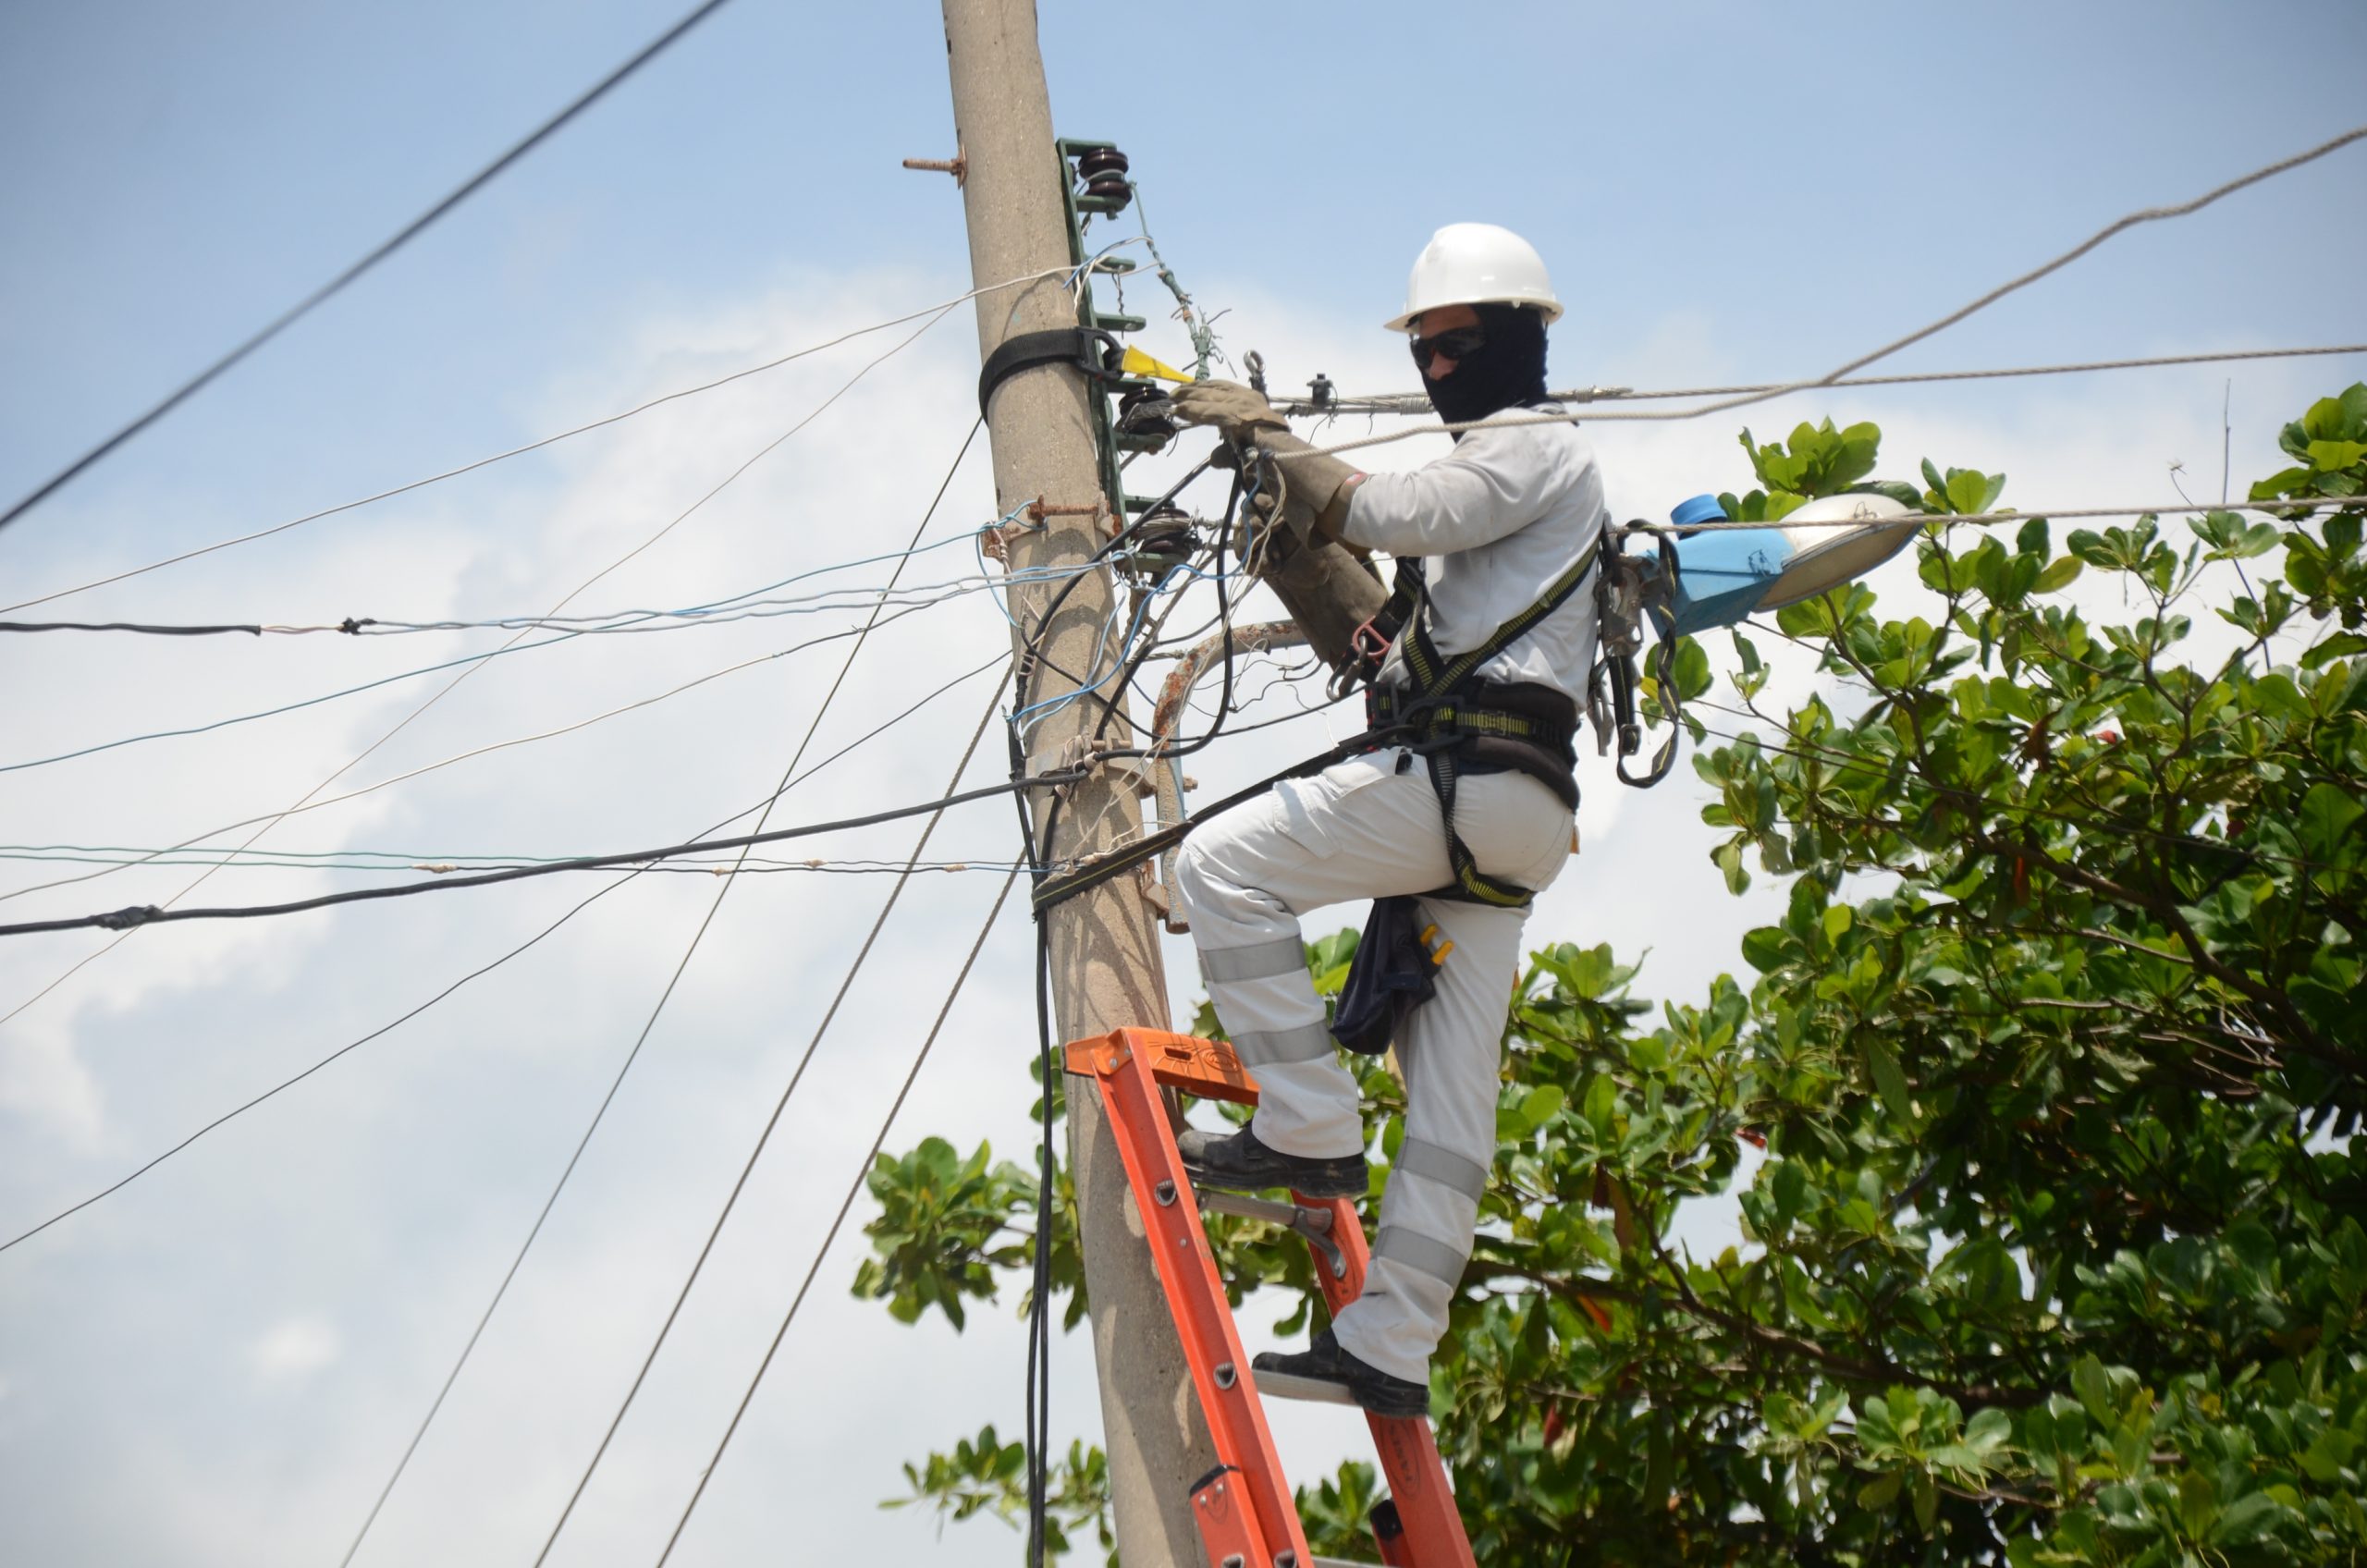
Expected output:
(1435, 682)
(1471, 884)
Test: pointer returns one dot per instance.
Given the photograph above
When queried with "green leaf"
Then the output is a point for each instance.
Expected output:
(2246, 1520)
(1882, 1491)
(1890, 1081)
(1763, 949)
(1540, 1106)
(1988, 1430)
(2340, 645)
(2059, 574)
(2332, 457)
(2326, 815)
(2094, 1390)
(1693, 677)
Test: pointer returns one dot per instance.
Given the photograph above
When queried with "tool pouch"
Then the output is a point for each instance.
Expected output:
(1393, 973)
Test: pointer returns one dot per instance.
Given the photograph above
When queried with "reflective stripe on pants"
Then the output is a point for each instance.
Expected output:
(1359, 830)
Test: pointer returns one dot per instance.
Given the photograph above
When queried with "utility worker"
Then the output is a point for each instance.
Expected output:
(1495, 543)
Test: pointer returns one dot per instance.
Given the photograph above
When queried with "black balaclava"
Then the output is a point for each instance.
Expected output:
(1509, 369)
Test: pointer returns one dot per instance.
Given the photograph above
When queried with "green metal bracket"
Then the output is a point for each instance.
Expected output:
(1106, 441)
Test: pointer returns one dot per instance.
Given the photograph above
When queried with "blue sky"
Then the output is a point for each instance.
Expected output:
(220, 1364)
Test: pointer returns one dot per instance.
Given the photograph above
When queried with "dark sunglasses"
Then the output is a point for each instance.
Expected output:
(1456, 343)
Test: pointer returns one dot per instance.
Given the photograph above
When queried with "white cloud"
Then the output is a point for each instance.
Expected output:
(392, 1188)
(295, 1348)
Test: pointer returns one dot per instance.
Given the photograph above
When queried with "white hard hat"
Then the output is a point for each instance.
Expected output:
(1478, 264)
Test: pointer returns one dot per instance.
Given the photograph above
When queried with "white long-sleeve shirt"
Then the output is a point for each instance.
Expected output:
(1497, 521)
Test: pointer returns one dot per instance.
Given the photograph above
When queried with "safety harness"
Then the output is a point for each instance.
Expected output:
(1459, 724)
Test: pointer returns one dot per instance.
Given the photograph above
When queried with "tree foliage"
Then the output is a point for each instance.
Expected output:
(2057, 1056)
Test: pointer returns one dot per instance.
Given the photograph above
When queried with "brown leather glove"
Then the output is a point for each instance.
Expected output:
(1315, 486)
(1233, 408)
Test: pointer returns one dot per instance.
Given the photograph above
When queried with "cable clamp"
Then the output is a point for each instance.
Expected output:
(1089, 349)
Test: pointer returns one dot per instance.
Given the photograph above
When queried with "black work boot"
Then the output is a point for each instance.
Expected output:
(1325, 1362)
(1238, 1162)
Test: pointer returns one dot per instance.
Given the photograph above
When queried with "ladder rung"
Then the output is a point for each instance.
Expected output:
(1290, 1216)
(1312, 1225)
(1282, 1385)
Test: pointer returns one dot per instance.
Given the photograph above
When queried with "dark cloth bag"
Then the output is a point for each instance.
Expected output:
(1392, 974)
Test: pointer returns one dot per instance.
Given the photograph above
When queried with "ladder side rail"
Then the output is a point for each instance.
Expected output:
(1433, 1535)
(1195, 1297)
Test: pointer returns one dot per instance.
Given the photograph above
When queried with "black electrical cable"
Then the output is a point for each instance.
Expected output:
(1037, 1392)
(289, 1082)
(149, 915)
(124, 626)
(408, 232)
(789, 774)
(1224, 619)
(636, 871)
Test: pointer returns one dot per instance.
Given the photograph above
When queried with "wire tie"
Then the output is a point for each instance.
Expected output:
(124, 919)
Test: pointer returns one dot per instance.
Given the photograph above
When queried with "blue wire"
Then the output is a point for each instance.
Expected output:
(978, 548)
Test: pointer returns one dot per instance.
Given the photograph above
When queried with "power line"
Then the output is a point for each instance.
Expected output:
(905, 608)
(446, 689)
(751, 866)
(765, 1137)
(240, 1109)
(151, 914)
(2033, 514)
(403, 236)
(920, 1058)
(236, 856)
(288, 1082)
(749, 605)
(822, 1251)
(714, 907)
(535, 445)
(2129, 220)
(1418, 402)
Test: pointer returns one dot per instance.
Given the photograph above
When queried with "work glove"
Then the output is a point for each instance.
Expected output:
(1240, 414)
(1315, 486)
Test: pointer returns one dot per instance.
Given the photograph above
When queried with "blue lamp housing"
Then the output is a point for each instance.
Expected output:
(1722, 575)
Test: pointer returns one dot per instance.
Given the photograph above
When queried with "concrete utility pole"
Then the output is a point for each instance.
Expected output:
(1105, 960)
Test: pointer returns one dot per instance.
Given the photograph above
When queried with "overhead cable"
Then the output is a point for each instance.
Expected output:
(450, 686)
(787, 775)
(67, 855)
(905, 607)
(749, 605)
(2033, 514)
(1419, 402)
(286, 1083)
(289, 1082)
(854, 1188)
(387, 248)
(535, 445)
(195, 845)
(2130, 220)
(765, 1137)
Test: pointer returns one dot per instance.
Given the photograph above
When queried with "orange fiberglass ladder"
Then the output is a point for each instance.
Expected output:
(1248, 1514)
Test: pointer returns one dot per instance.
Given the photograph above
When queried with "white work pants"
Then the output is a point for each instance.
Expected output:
(1364, 829)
